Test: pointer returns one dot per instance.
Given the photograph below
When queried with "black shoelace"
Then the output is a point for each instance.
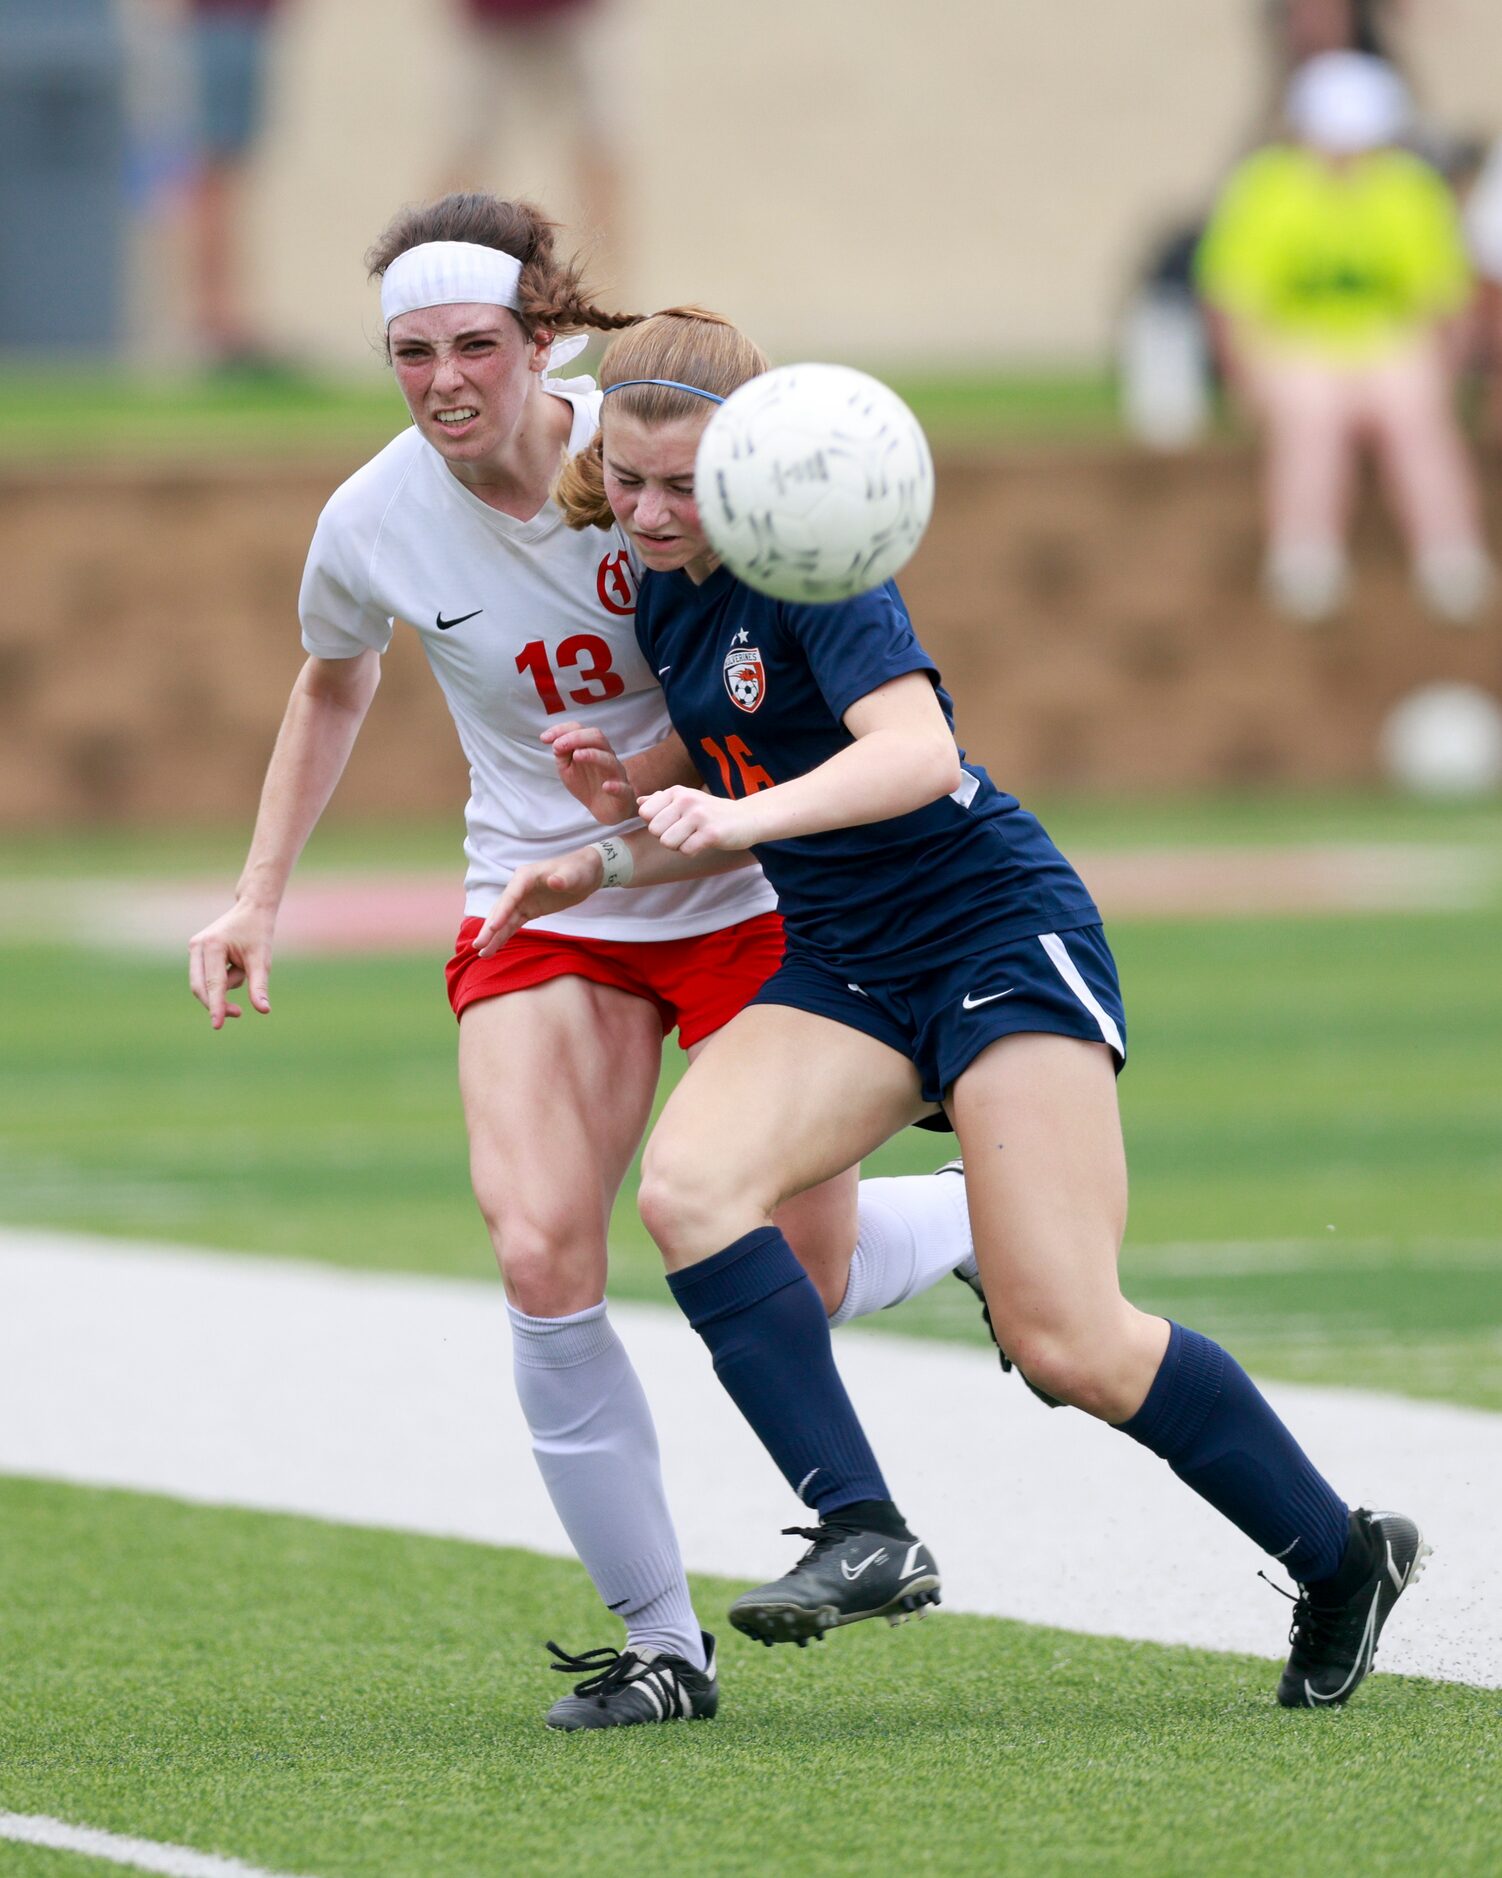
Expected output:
(1313, 1624)
(603, 1670)
(823, 1537)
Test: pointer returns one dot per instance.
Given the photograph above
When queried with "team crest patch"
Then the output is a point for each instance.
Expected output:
(615, 583)
(745, 677)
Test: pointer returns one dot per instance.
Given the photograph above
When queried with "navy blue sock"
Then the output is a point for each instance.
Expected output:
(768, 1333)
(1206, 1417)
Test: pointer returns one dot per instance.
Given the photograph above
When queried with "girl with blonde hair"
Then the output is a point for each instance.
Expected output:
(942, 956)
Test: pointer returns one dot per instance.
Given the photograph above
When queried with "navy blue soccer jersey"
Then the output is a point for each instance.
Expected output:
(757, 689)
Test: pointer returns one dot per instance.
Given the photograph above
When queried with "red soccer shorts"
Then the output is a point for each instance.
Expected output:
(697, 983)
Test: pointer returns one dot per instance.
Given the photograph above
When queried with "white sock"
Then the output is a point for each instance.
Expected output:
(914, 1230)
(596, 1448)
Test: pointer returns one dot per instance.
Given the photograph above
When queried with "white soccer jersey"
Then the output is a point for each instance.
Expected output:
(523, 623)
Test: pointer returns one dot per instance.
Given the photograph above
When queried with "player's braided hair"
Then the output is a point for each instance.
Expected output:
(551, 290)
(686, 343)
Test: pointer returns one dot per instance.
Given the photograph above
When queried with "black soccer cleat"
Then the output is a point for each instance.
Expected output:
(846, 1574)
(972, 1282)
(1334, 1636)
(631, 1686)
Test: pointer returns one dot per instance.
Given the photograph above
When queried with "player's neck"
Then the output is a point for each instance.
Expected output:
(517, 478)
(702, 566)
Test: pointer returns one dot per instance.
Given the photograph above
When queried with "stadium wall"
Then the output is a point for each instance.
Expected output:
(1094, 609)
(861, 179)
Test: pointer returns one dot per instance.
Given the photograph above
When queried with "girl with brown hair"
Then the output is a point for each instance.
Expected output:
(452, 528)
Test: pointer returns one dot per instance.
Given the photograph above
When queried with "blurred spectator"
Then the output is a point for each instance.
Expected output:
(1299, 30)
(548, 51)
(1335, 269)
(229, 43)
(1165, 360)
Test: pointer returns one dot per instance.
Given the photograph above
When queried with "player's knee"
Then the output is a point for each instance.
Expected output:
(666, 1205)
(544, 1280)
(1071, 1366)
(552, 1265)
(683, 1203)
(1044, 1359)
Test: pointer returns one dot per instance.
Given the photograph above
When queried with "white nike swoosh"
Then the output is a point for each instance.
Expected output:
(973, 1003)
(1363, 1662)
(663, 670)
(852, 1573)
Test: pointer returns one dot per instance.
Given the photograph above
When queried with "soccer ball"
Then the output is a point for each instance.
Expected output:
(1444, 740)
(814, 482)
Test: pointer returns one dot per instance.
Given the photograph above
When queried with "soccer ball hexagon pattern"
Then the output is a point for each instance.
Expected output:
(814, 482)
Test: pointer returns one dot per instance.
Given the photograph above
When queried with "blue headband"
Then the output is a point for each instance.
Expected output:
(670, 384)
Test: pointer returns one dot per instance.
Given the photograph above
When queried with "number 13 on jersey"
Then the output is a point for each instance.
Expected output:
(587, 655)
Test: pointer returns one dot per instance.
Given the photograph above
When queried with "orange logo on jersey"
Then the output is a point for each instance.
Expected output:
(745, 677)
(616, 583)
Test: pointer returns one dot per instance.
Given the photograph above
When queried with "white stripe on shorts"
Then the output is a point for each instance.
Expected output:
(1053, 945)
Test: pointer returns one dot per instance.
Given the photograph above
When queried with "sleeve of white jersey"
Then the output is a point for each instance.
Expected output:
(339, 617)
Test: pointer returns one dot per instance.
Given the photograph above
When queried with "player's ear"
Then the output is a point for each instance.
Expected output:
(542, 345)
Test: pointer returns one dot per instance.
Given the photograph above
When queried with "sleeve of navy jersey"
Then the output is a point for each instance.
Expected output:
(857, 646)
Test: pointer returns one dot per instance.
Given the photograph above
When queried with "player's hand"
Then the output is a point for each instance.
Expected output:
(235, 950)
(690, 821)
(536, 888)
(591, 771)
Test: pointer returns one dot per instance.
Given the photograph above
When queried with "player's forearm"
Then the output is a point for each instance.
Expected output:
(881, 775)
(653, 865)
(660, 767)
(312, 747)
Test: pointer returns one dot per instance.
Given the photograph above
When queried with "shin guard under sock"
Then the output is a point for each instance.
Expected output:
(1206, 1417)
(761, 1318)
(596, 1449)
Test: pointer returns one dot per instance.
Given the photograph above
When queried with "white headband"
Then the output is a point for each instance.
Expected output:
(449, 273)
(443, 273)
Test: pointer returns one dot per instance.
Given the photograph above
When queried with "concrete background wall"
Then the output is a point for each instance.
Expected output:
(1095, 612)
(898, 183)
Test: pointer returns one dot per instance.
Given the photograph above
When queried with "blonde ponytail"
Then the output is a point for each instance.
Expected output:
(580, 488)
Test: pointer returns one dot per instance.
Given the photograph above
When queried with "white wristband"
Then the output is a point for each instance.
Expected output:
(617, 859)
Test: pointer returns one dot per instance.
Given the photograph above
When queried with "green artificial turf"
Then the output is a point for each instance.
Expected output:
(1246, 818)
(1313, 1109)
(103, 414)
(50, 414)
(354, 1704)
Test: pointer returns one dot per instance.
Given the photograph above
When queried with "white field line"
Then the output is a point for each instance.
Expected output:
(386, 1401)
(177, 1861)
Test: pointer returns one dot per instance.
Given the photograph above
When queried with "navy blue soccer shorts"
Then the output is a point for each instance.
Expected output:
(941, 1019)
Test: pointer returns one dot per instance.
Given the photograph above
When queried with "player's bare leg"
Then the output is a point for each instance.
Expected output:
(801, 1098)
(868, 1245)
(548, 1147)
(821, 1225)
(1046, 1175)
(1037, 1118)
